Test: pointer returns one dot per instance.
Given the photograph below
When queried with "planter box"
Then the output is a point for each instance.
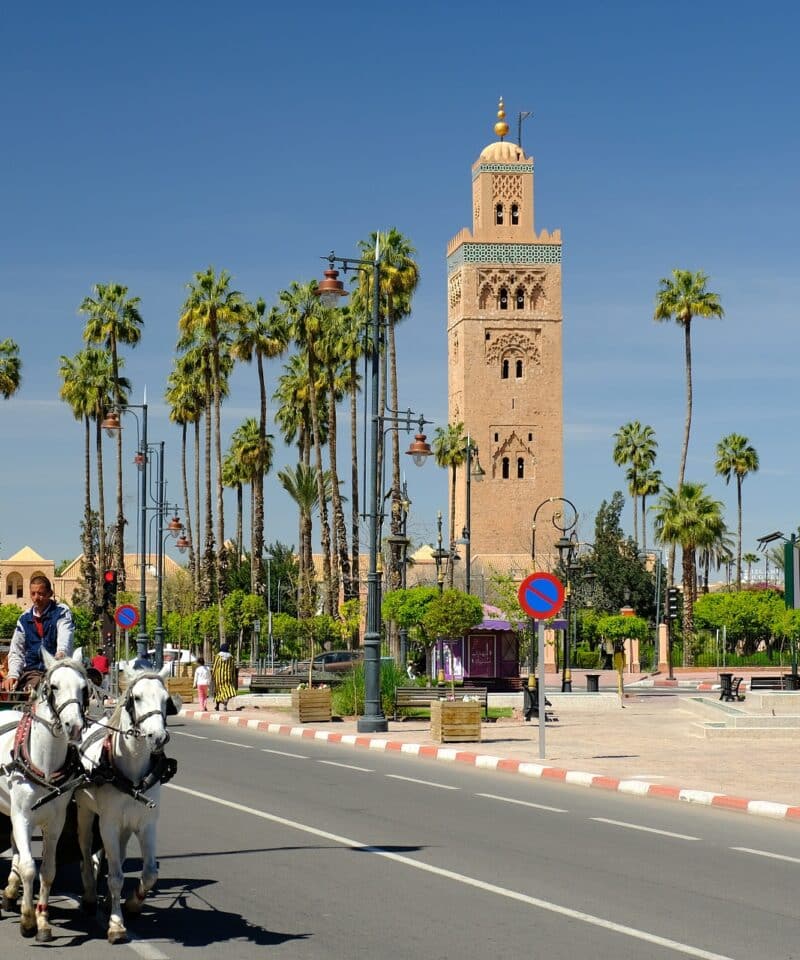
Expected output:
(182, 686)
(311, 705)
(454, 721)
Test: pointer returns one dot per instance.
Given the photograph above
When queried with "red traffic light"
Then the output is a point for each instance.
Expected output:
(110, 576)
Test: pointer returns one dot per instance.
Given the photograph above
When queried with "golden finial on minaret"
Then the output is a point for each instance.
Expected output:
(501, 127)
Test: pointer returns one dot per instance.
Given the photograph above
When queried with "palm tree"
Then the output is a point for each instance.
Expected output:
(450, 450)
(649, 484)
(736, 458)
(750, 559)
(210, 313)
(635, 446)
(300, 483)
(253, 459)
(305, 316)
(113, 318)
(260, 337)
(10, 368)
(681, 298)
(691, 519)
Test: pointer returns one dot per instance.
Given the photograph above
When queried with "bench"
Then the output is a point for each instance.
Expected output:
(766, 683)
(729, 688)
(406, 697)
(267, 683)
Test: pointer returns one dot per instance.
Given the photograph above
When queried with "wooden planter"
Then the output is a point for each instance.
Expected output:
(182, 686)
(455, 721)
(311, 705)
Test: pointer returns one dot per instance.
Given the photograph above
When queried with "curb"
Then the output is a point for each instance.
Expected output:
(639, 788)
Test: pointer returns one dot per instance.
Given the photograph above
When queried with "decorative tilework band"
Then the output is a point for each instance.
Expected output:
(502, 168)
(514, 254)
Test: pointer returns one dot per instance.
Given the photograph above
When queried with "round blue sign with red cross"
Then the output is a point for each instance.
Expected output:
(541, 595)
(126, 616)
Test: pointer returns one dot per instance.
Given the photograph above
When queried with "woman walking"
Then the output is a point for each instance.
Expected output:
(223, 672)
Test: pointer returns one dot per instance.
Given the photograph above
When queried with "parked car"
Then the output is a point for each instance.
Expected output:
(337, 661)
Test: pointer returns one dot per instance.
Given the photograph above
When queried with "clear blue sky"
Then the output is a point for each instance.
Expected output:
(143, 144)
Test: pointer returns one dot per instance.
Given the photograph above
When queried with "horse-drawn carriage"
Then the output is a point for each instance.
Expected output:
(52, 751)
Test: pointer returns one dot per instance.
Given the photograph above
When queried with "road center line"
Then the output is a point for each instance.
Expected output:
(461, 878)
(425, 783)
(638, 826)
(766, 853)
(193, 736)
(521, 803)
(231, 743)
(285, 753)
(346, 766)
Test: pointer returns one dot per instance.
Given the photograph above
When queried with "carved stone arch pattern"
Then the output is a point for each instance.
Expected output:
(512, 345)
(507, 186)
(512, 448)
(454, 290)
(529, 282)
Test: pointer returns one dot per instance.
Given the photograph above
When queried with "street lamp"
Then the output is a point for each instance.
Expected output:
(474, 472)
(112, 425)
(567, 549)
(269, 558)
(399, 542)
(330, 290)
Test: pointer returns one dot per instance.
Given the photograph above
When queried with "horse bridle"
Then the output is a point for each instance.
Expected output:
(129, 706)
(47, 696)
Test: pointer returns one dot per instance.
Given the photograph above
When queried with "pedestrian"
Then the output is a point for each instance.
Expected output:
(223, 673)
(202, 680)
(46, 625)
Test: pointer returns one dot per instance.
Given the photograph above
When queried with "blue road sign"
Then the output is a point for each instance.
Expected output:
(541, 595)
(126, 616)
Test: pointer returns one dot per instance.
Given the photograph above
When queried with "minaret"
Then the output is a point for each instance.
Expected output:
(504, 321)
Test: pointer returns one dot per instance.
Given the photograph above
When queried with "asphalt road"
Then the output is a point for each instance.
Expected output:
(316, 850)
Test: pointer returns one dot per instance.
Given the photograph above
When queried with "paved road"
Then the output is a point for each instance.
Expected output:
(320, 851)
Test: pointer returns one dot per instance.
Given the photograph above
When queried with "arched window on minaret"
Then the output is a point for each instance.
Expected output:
(498, 214)
(518, 369)
(504, 370)
(520, 468)
(503, 298)
(514, 214)
(505, 468)
(519, 299)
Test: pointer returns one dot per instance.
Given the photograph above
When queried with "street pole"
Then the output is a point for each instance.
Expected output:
(142, 638)
(468, 536)
(159, 631)
(268, 558)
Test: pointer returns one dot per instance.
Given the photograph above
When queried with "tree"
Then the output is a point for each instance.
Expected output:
(452, 614)
(736, 457)
(688, 518)
(649, 484)
(210, 314)
(749, 559)
(635, 446)
(450, 451)
(10, 368)
(681, 298)
(113, 318)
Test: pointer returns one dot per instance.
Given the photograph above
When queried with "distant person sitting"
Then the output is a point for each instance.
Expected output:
(47, 625)
(101, 663)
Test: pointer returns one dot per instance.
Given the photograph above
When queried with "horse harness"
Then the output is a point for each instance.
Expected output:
(162, 768)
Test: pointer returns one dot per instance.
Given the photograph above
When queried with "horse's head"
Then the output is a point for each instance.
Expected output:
(65, 690)
(146, 705)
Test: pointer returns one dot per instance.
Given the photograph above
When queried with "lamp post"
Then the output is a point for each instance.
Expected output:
(329, 291)
(400, 542)
(475, 473)
(567, 548)
(269, 558)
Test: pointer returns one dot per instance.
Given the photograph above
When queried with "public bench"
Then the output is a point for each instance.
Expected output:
(267, 683)
(729, 687)
(421, 697)
(769, 683)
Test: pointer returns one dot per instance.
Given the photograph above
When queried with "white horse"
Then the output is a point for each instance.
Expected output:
(124, 759)
(40, 773)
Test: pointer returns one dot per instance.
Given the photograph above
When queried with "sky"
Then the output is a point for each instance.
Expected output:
(144, 143)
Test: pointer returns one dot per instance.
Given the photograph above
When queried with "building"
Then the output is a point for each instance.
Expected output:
(504, 331)
(16, 573)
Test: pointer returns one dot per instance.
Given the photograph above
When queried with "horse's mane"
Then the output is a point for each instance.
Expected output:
(114, 719)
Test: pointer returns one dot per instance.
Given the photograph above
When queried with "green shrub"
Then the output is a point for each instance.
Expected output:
(348, 697)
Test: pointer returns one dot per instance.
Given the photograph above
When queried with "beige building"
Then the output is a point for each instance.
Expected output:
(504, 321)
(16, 573)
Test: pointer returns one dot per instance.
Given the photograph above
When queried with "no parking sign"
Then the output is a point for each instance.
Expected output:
(126, 616)
(541, 595)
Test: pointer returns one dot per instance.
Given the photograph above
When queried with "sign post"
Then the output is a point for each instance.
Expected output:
(541, 596)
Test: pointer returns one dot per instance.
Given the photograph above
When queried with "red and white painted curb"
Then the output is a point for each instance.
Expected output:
(639, 788)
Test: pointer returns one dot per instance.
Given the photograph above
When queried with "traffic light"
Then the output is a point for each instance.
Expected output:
(673, 603)
(109, 589)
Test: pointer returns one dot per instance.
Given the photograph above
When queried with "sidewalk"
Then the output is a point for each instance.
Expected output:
(652, 747)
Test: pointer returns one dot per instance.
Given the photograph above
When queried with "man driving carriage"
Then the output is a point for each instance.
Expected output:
(45, 625)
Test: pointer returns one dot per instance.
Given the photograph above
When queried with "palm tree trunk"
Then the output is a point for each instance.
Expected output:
(353, 588)
(101, 508)
(257, 540)
(452, 525)
(644, 523)
(89, 560)
(687, 346)
(739, 533)
(329, 605)
(239, 525)
(198, 552)
(221, 558)
(209, 559)
(187, 506)
(688, 604)
(342, 557)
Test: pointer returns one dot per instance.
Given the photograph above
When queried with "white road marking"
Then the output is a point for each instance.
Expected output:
(588, 918)
(285, 753)
(193, 736)
(766, 853)
(521, 803)
(347, 766)
(638, 826)
(231, 743)
(425, 783)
